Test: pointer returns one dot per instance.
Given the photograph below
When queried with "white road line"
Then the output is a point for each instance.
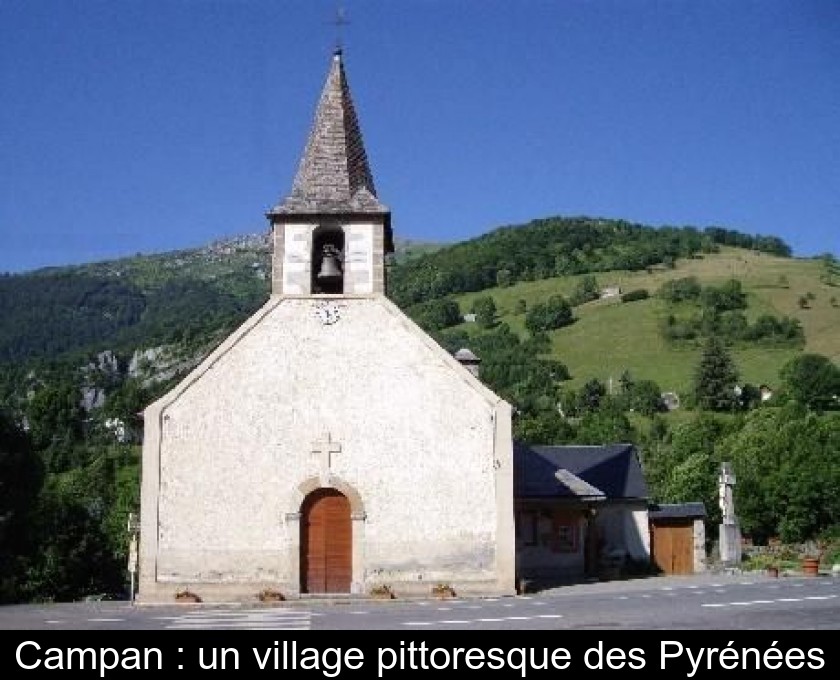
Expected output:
(54, 621)
(105, 620)
(272, 625)
(250, 619)
(781, 599)
(495, 619)
(359, 613)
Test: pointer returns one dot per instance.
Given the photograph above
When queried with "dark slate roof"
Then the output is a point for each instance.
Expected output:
(333, 176)
(613, 469)
(676, 510)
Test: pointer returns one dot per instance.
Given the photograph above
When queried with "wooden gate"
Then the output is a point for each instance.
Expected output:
(673, 546)
(326, 543)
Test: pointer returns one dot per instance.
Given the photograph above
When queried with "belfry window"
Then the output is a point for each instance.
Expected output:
(328, 260)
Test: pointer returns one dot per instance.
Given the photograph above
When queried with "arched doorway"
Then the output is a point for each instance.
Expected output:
(326, 543)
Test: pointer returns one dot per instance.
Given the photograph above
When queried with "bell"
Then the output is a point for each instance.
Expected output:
(329, 267)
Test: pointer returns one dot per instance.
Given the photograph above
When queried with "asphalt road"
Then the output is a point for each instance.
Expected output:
(712, 602)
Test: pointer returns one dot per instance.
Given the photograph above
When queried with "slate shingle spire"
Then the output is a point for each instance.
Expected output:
(334, 177)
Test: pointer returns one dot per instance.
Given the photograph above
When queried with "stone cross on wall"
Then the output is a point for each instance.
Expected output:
(726, 500)
(325, 448)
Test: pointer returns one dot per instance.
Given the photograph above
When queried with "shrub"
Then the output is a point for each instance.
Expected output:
(638, 294)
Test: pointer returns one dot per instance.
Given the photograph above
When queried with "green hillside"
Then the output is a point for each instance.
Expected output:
(610, 336)
(84, 349)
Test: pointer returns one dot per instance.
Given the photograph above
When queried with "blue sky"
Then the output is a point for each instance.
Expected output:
(149, 125)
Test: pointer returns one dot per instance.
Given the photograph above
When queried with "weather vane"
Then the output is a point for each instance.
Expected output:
(340, 21)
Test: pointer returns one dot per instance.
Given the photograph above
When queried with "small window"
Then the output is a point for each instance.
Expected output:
(566, 537)
(527, 527)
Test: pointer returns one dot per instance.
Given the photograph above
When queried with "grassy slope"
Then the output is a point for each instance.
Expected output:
(610, 336)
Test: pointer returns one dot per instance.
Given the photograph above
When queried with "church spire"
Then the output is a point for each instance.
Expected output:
(334, 177)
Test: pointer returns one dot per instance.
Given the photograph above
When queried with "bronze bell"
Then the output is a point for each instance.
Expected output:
(330, 268)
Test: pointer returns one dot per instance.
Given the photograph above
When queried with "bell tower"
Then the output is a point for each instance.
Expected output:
(330, 235)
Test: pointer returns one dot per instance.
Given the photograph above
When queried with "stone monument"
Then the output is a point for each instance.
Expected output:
(730, 532)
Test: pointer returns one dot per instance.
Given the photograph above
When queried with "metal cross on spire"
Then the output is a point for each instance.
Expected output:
(340, 21)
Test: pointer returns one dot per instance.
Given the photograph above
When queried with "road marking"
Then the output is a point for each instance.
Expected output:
(778, 600)
(105, 620)
(495, 619)
(54, 621)
(359, 613)
(249, 619)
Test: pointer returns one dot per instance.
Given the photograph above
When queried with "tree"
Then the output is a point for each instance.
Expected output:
(435, 315)
(645, 397)
(21, 476)
(715, 378)
(591, 395)
(484, 308)
(552, 314)
(812, 379)
(608, 425)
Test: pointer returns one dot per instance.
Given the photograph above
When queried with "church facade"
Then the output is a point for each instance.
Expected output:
(328, 445)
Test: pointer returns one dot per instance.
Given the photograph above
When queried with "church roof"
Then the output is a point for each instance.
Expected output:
(333, 176)
(593, 472)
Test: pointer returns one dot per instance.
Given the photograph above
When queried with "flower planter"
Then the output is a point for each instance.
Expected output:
(810, 566)
(269, 595)
(443, 591)
(187, 596)
(382, 593)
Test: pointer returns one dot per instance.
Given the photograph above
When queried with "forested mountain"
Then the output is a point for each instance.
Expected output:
(582, 324)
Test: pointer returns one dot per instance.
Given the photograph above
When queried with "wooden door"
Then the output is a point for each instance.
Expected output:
(326, 543)
(673, 547)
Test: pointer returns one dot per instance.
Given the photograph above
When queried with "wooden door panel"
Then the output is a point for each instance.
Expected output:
(326, 543)
(673, 548)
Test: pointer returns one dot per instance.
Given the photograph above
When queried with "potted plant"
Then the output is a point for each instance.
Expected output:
(382, 592)
(810, 562)
(186, 595)
(270, 595)
(443, 590)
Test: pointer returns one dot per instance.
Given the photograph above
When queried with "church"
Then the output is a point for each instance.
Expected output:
(329, 446)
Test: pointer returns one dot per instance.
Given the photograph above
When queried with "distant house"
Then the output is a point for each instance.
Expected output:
(765, 391)
(469, 318)
(670, 400)
(579, 510)
(610, 292)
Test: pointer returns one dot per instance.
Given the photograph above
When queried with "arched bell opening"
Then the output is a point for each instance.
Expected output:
(328, 260)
